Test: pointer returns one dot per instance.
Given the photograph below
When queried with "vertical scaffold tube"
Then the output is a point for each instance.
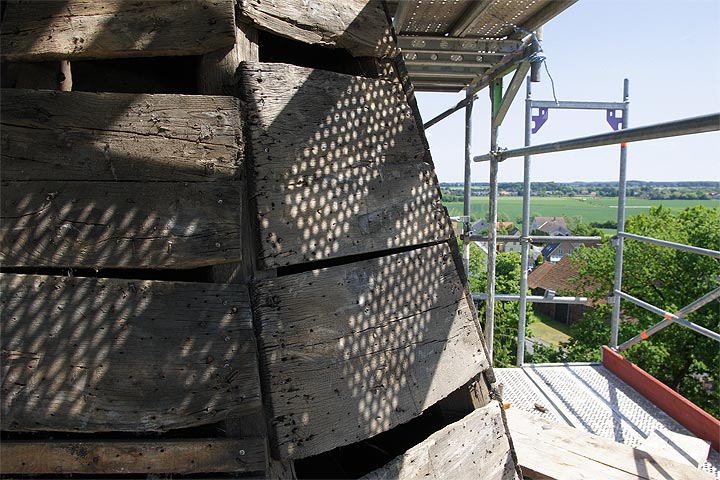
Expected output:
(495, 99)
(468, 183)
(622, 183)
(525, 243)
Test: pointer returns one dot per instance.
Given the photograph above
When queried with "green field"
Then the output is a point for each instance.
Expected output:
(584, 209)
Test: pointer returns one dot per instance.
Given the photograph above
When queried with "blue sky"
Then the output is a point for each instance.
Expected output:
(670, 52)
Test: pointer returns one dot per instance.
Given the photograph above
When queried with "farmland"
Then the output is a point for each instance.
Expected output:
(582, 209)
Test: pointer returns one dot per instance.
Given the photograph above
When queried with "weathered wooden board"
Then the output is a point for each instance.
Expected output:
(88, 29)
(38, 75)
(475, 447)
(89, 355)
(179, 456)
(118, 137)
(350, 351)
(676, 447)
(550, 450)
(338, 166)
(359, 26)
(119, 224)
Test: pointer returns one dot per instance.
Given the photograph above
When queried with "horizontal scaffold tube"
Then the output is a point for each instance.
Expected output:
(677, 246)
(481, 297)
(688, 126)
(538, 239)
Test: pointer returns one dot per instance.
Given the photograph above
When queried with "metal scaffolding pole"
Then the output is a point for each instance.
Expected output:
(645, 334)
(525, 245)
(688, 126)
(511, 297)
(674, 318)
(677, 246)
(539, 239)
(467, 191)
(622, 184)
(495, 99)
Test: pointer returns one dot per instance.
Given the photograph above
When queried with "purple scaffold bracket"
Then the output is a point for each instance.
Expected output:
(615, 119)
(539, 119)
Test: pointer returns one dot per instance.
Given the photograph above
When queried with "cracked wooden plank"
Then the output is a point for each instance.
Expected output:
(359, 26)
(350, 351)
(475, 447)
(93, 355)
(88, 29)
(339, 166)
(119, 137)
(177, 456)
(119, 224)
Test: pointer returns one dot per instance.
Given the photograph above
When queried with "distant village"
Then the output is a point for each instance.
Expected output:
(550, 268)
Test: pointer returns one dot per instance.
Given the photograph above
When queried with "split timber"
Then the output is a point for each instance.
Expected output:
(227, 268)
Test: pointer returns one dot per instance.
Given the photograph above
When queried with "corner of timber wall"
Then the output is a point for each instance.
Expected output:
(223, 248)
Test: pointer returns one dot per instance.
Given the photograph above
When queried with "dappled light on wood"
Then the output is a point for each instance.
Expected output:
(126, 181)
(340, 168)
(301, 211)
(348, 352)
(118, 355)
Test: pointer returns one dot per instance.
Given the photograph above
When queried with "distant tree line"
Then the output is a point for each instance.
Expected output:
(453, 192)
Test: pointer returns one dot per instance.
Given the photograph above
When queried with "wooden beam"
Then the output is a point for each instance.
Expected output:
(359, 26)
(216, 73)
(94, 355)
(107, 457)
(119, 224)
(339, 166)
(692, 417)
(87, 29)
(36, 75)
(550, 450)
(348, 352)
(119, 137)
(475, 447)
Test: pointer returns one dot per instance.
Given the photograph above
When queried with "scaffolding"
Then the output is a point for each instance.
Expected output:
(617, 115)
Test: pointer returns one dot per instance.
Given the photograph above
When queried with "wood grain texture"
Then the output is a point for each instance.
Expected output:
(350, 351)
(216, 72)
(119, 137)
(178, 456)
(37, 75)
(359, 26)
(339, 166)
(88, 29)
(550, 450)
(91, 355)
(119, 224)
(474, 447)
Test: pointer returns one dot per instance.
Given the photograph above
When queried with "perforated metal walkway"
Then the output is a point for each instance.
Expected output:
(591, 398)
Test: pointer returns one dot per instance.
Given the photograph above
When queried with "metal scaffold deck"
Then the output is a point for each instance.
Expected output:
(592, 399)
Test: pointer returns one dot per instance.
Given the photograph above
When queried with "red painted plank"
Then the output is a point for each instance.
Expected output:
(692, 417)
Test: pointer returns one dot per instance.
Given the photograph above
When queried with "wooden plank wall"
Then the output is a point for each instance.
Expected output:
(119, 180)
(348, 352)
(474, 447)
(339, 166)
(340, 172)
(122, 457)
(86, 29)
(90, 355)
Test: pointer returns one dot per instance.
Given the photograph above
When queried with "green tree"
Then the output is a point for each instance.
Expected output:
(670, 279)
(507, 280)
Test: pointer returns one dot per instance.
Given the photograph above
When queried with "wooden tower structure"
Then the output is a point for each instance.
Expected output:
(224, 250)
